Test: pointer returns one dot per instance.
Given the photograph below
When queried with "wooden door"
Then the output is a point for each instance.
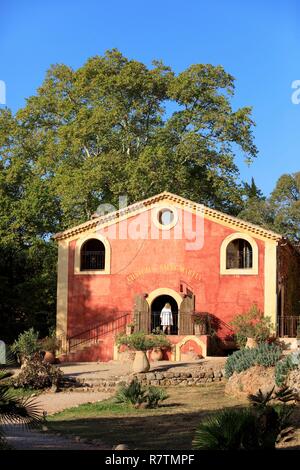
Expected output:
(141, 314)
(187, 308)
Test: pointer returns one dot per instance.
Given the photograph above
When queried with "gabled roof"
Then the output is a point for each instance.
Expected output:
(133, 209)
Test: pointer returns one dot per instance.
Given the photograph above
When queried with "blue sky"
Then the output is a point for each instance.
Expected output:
(258, 42)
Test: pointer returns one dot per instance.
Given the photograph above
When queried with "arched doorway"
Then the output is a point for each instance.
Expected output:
(156, 307)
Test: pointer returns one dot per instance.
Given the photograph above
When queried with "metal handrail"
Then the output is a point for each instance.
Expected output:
(93, 333)
(96, 325)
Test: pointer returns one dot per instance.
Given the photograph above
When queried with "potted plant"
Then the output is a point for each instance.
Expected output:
(200, 325)
(50, 345)
(141, 343)
(26, 346)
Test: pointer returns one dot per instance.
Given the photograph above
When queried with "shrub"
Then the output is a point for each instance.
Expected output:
(142, 341)
(251, 324)
(133, 393)
(155, 395)
(261, 426)
(265, 354)
(283, 367)
(15, 409)
(136, 394)
(27, 344)
(50, 343)
(38, 375)
(226, 430)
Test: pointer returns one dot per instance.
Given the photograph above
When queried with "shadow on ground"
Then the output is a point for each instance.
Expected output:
(159, 432)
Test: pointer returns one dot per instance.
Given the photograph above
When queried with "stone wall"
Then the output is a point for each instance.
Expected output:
(197, 376)
(193, 377)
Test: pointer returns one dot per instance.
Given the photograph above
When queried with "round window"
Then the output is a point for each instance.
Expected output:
(165, 217)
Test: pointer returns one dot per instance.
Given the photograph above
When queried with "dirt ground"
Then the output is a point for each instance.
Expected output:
(171, 426)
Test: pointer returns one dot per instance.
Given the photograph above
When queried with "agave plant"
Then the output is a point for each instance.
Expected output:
(136, 394)
(15, 409)
(155, 395)
(273, 411)
(133, 393)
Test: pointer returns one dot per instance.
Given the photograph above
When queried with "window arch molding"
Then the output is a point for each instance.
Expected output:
(223, 255)
(79, 244)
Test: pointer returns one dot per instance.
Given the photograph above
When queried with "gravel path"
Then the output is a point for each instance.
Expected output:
(21, 439)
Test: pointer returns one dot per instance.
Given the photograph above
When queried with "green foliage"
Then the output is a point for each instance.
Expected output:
(14, 408)
(37, 374)
(143, 342)
(227, 430)
(265, 354)
(252, 324)
(258, 211)
(28, 284)
(295, 358)
(285, 202)
(282, 368)
(261, 426)
(50, 343)
(252, 191)
(280, 212)
(133, 393)
(136, 394)
(155, 395)
(27, 344)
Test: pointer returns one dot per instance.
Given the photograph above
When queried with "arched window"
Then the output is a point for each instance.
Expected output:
(239, 254)
(92, 255)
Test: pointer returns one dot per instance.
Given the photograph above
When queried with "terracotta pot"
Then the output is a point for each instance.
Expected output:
(251, 343)
(156, 354)
(49, 357)
(140, 363)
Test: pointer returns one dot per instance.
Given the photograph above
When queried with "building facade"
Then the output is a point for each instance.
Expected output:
(124, 266)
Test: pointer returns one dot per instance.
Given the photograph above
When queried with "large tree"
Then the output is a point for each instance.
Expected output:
(279, 212)
(256, 208)
(113, 127)
(285, 204)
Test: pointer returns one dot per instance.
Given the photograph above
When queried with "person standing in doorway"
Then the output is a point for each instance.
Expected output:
(166, 318)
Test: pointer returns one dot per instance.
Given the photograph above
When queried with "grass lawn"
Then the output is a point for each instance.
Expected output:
(24, 392)
(170, 426)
